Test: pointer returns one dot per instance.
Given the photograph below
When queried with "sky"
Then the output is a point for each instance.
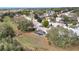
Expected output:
(39, 3)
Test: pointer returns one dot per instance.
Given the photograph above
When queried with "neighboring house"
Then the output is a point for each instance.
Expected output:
(75, 30)
(66, 13)
(72, 15)
(69, 14)
(78, 19)
(57, 24)
(50, 13)
(58, 19)
(36, 24)
(59, 15)
(46, 15)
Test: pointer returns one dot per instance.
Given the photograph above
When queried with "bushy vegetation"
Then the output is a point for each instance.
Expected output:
(26, 12)
(55, 15)
(7, 34)
(6, 30)
(76, 11)
(40, 12)
(7, 41)
(45, 23)
(62, 37)
(7, 19)
(10, 44)
(69, 20)
(10, 14)
(57, 9)
(11, 38)
(25, 25)
(38, 18)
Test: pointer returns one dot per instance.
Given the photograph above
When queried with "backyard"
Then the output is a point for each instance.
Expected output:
(36, 30)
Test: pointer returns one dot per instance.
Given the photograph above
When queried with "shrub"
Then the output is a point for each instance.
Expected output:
(10, 44)
(25, 25)
(39, 20)
(62, 37)
(70, 20)
(4, 18)
(36, 16)
(7, 19)
(26, 12)
(40, 12)
(55, 15)
(74, 22)
(57, 9)
(6, 30)
(45, 23)
(66, 18)
(11, 14)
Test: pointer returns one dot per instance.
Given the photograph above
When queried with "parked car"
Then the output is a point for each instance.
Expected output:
(40, 32)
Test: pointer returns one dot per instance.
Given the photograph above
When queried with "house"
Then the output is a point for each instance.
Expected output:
(50, 12)
(57, 24)
(58, 19)
(69, 14)
(78, 19)
(36, 24)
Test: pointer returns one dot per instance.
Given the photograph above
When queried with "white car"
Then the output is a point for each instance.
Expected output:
(40, 32)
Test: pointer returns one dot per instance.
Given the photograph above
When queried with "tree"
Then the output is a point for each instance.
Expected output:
(6, 30)
(40, 12)
(62, 37)
(6, 45)
(69, 20)
(55, 15)
(26, 12)
(45, 23)
(25, 25)
(57, 9)
(7, 19)
(36, 16)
